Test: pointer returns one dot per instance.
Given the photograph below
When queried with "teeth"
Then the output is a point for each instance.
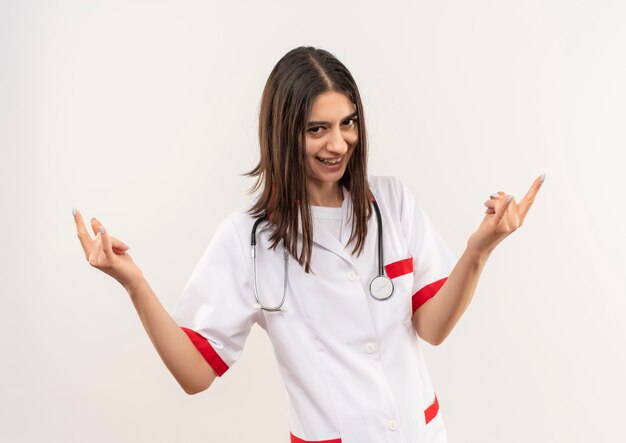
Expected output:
(330, 162)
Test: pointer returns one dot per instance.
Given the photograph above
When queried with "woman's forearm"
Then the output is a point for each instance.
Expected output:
(178, 353)
(434, 320)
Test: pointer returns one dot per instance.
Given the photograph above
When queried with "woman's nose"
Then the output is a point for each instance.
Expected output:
(337, 143)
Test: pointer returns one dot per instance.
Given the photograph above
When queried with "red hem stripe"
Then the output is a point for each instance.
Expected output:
(207, 351)
(426, 293)
(431, 411)
(295, 439)
(399, 268)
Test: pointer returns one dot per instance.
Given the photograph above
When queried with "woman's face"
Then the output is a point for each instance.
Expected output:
(331, 134)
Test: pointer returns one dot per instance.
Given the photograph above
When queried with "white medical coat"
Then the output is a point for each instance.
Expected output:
(351, 364)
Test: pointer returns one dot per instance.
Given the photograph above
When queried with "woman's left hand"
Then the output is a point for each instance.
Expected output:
(503, 217)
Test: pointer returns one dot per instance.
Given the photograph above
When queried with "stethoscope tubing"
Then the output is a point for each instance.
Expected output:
(279, 307)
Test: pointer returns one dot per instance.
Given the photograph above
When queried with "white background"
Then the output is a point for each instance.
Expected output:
(144, 113)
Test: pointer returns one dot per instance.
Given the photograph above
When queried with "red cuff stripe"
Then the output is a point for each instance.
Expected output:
(426, 293)
(295, 439)
(432, 410)
(400, 267)
(207, 351)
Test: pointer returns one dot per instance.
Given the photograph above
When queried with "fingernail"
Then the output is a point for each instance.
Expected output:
(73, 211)
(508, 200)
(101, 229)
(494, 195)
(543, 177)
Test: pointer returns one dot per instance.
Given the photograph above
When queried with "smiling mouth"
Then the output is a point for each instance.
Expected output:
(333, 161)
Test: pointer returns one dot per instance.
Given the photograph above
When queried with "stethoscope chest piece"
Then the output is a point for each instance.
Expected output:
(381, 287)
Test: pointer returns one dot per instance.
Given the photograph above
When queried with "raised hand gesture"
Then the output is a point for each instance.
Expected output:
(503, 217)
(106, 252)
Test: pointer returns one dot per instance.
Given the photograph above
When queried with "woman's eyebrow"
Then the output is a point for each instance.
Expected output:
(354, 114)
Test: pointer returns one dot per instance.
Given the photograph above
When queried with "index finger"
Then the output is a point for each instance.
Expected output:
(527, 201)
(81, 230)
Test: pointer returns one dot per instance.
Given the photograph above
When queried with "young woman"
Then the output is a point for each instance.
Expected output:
(347, 271)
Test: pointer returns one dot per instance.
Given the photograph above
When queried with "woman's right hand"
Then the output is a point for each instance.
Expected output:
(107, 253)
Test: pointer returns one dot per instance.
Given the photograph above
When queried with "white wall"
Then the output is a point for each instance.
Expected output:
(144, 113)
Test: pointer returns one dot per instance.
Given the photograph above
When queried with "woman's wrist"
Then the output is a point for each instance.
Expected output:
(479, 256)
(135, 287)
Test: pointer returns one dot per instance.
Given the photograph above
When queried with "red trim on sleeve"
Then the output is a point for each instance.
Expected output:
(426, 293)
(431, 411)
(207, 351)
(399, 268)
(295, 439)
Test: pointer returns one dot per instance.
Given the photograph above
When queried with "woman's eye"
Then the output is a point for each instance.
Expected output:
(349, 121)
(315, 129)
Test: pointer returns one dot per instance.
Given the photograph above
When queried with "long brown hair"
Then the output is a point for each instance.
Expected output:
(291, 88)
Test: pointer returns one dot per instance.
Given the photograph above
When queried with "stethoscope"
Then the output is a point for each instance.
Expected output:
(381, 286)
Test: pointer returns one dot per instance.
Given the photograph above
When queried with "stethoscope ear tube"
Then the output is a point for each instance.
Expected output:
(253, 239)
